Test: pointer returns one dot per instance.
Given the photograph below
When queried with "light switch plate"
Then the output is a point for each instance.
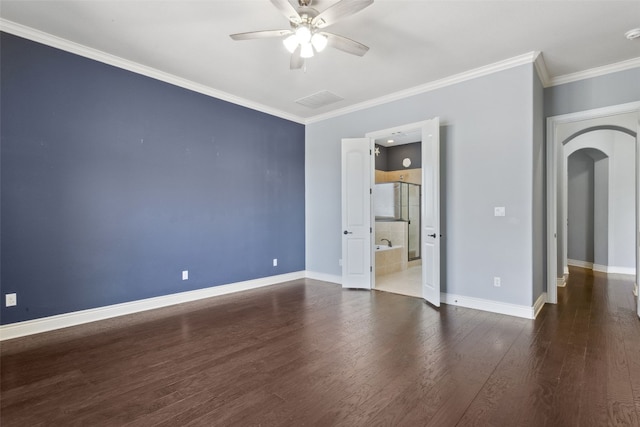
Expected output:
(499, 211)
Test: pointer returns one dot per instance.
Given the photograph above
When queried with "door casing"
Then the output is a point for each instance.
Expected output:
(554, 162)
(431, 295)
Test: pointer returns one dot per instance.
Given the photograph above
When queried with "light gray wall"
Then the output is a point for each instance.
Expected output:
(539, 192)
(622, 206)
(487, 150)
(580, 206)
(601, 211)
(611, 89)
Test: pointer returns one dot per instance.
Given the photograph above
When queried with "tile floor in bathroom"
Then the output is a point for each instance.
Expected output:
(405, 282)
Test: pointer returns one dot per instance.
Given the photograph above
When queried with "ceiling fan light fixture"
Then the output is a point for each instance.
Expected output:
(306, 50)
(319, 42)
(303, 34)
(291, 43)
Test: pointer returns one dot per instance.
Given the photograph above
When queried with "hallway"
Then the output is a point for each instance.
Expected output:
(589, 348)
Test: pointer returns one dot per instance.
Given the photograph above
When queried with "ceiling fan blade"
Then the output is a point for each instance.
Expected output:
(296, 60)
(345, 44)
(340, 10)
(287, 10)
(260, 34)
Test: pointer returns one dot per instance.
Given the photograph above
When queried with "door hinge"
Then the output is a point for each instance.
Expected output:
(371, 269)
(370, 230)
(370, 191)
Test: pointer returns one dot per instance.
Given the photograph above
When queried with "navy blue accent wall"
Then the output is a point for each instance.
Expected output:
(113, 183)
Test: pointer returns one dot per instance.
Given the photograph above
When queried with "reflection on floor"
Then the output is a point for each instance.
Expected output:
(405, 282)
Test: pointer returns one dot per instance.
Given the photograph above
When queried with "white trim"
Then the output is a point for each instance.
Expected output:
(98, 55)
(581, 264)
(635, 289)
(534, 57)
(540, 302)
(552, 212)
(29, 327)
(332, 278)
(491, 306)
(552, 178)
(600, 268)
(612, 110)
(609, 269)
(561, 282)
(595, 72)
(541, 68)
(626, 271)
(95, 54)
(486, 70)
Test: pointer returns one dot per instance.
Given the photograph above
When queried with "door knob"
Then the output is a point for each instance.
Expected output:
(432, 235)
(348, 232)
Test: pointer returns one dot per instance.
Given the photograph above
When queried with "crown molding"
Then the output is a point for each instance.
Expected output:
(106, 58)
(541, 68)
(595, 72)
(534, 57)
(516, 61)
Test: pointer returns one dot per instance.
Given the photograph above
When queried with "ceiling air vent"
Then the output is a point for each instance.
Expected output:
(319, 99)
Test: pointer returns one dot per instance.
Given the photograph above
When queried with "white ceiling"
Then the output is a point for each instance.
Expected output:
(412, 43)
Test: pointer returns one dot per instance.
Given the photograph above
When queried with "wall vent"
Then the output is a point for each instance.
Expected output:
(319, 99)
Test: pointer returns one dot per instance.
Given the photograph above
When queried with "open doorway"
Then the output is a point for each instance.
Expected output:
(358, 255)
(595, 135)
(588, 208)
(397, 208)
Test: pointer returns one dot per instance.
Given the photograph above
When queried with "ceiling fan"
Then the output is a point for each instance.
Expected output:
(306, 35)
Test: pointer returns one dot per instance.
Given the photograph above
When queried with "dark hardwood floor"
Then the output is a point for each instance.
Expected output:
(310, 353)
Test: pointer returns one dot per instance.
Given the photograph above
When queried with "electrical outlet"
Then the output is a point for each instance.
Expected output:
(10, 300)
(496, 282)
(275, 262)
(185, 274)
(499, 211)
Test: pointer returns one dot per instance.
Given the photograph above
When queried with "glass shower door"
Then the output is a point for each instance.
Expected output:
(413, 207)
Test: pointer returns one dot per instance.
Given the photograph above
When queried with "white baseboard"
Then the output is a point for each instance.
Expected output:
(612, 269)
(492, 306)
(561, 282)
(609, 269)
(581, 264)
(324, 277)
(540, 302)
(635, 289)
(29, 327)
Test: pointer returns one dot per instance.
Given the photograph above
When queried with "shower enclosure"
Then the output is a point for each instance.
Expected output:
(400, 201)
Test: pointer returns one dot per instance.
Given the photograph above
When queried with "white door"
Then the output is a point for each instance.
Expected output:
(357, 174)
(431, 211)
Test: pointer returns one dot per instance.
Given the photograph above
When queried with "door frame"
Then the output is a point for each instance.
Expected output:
(373, 135)
(556, 169)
